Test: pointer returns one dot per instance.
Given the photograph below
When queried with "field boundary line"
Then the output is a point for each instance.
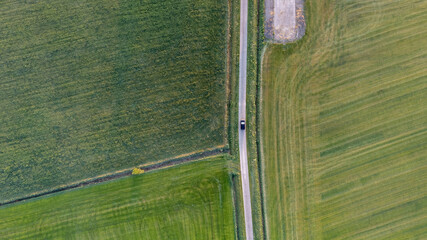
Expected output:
(180, 159)
(228, 69)
(260, 52)
(236, 207)
(260, 152)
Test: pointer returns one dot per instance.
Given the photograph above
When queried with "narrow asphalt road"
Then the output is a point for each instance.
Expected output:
(242, 116)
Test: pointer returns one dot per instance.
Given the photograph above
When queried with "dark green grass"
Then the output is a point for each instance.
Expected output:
(87, 88)
(191, 201)
(344, 124)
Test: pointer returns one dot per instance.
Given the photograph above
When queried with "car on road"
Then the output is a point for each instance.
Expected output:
(242, 124)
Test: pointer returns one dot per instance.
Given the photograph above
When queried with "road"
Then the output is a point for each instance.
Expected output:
(242, 115)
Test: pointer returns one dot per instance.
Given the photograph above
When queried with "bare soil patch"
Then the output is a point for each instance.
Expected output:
(284, 20)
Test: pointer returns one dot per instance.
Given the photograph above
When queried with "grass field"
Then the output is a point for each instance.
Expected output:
(344, 124)
(88, 88)
(190, 201)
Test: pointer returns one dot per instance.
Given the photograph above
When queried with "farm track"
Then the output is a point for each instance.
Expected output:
(243, 154)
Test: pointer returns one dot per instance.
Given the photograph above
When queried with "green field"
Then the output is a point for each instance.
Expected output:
(344, 124)
(87, 88)
(190, 201)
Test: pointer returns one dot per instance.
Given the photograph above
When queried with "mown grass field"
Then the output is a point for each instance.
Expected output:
(344, 124)
(87, 88)
(190, 201)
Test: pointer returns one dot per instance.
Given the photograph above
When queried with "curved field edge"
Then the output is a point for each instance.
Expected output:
(189, 201)
(344, 124)
(87, 89)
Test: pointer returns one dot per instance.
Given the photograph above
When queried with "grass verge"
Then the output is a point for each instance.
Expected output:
(255, 46)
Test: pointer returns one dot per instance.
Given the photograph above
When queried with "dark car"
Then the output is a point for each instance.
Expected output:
(242, 124)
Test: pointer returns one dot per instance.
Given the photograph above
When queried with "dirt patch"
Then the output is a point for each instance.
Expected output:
(284, 20)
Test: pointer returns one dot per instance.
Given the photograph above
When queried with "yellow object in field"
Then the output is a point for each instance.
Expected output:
(136, 171)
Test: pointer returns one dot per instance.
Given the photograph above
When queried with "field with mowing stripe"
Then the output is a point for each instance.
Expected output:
(190, 201)
(87, 88)
(344, 124)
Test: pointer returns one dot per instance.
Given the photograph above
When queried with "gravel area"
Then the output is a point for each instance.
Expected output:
(284, 20)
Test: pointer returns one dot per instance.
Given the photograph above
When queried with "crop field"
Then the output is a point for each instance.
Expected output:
(87, 88)
(344, 124)
(190, 201)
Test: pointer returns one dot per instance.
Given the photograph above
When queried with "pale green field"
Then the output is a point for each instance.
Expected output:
(344, 124)
(190, 201)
